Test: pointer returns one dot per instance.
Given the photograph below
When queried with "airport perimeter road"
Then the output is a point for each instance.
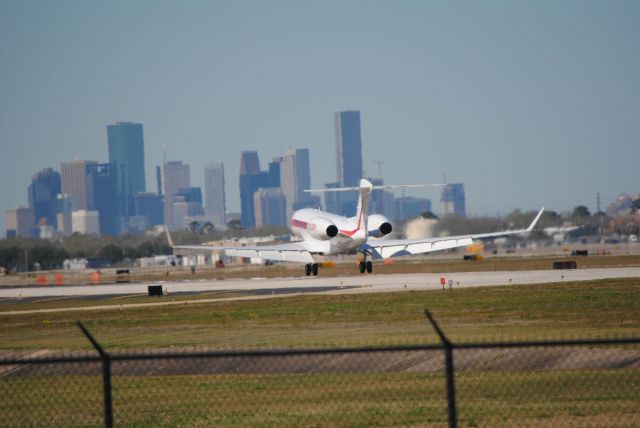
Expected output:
(352, 284)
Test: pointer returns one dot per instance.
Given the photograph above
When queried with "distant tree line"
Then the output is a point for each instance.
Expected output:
(32, 254)
(517, 219)
(21, 254)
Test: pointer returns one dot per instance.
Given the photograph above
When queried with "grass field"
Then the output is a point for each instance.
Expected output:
(486, 397)
(563, 310)
(551, 399)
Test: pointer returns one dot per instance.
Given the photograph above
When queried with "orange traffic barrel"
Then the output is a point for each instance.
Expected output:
(95, 278)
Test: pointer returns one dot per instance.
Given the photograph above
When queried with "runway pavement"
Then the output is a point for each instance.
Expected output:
(343, 284)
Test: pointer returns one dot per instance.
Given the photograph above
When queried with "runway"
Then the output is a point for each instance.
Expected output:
(343, 284)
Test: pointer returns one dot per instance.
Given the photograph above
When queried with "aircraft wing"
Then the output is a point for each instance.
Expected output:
(386, 248)
(293, 252)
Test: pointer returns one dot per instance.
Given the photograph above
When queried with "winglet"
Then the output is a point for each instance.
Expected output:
(171, 244)
(535, 220)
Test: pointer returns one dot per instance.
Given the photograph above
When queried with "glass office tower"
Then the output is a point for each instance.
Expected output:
(126, 152)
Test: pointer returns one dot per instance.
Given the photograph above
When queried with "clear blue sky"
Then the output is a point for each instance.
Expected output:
(527, 103)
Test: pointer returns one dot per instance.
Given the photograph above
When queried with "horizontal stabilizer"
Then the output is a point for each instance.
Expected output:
(382, 187)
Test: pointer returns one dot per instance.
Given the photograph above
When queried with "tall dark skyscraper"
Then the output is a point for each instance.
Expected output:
(126, 152)
(349, 158)
(102, 194)
(274, 172)
(43, 195)
(249, 162)
(348, 147)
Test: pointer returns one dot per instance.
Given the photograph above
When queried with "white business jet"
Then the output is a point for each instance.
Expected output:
(323, 233)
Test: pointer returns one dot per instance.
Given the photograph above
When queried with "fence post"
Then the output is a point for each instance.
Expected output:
(448, 362)
(106, 376)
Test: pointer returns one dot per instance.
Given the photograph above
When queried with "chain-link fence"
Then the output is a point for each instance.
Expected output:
(581, 383)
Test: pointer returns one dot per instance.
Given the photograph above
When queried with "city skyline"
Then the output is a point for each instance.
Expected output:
(527, 105)
(95, 183)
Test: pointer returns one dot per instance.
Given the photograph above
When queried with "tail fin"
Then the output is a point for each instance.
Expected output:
(362, 212)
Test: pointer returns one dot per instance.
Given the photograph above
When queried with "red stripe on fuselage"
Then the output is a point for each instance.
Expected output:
(353, 232)
(299, 223)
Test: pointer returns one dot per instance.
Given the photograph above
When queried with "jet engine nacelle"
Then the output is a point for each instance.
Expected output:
(321, 228)
(378, 225)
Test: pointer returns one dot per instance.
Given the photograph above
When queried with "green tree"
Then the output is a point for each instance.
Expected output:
(10, 257)
(47, 255)
(112, 253)
(83, 246)
(517, 219)
(147, 249)
(580, 215)
(549, 219)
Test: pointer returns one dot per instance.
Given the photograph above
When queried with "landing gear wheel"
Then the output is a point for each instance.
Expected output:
(362, 266)
(307, 269)
(369, 266)
(314, 269)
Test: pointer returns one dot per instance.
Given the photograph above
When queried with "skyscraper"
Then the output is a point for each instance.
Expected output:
(332, 199)
(126, 152)
(192, 196)
(43, 193)
(270, 207)
(348, 147)
(295, 177)
(274, 172)
(102, 194)
(75, 184)
(249, 162)
(175, 177)
(214, 193)
(382, 201)
(19, 222)
(303, 174)
(251, 179)
(149, 205)
(349, 158)
(453, 200)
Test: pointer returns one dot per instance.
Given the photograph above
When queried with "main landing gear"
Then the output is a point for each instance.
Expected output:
(365, 265)
(311, 268)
